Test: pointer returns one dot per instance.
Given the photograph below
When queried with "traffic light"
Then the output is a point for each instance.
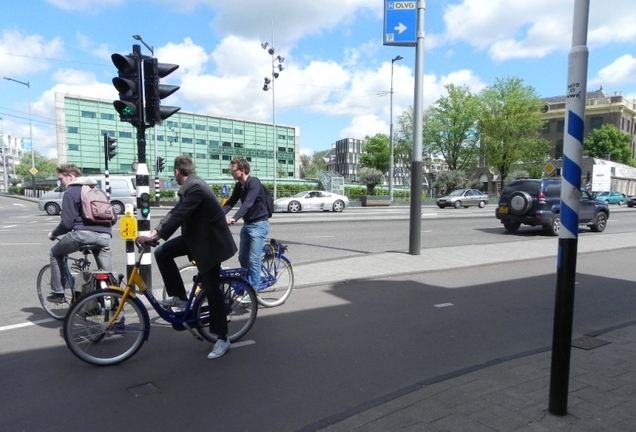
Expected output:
(160, 164)
(144, 204)
(128, 84)
(153, 72)
(110, 148)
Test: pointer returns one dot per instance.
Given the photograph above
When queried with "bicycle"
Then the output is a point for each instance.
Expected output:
(59, 310)
(277, 275)
(110, 325)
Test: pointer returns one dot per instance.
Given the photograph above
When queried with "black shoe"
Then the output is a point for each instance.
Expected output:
(56, 298)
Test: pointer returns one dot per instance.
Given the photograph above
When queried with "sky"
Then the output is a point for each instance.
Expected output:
(336, 80)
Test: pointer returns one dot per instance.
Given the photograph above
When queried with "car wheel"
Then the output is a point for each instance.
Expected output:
(600, 222)
(457, 204)
(512, 226)
(555, 226)
(630, 205)
(520, 202)
(52, 209)
(294, 207)
(482, 204)
(338, 206)
(118, 207)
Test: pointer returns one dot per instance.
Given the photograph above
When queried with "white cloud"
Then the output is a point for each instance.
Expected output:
(84, 5)
(22, 54)
(363, 125)
(621, 71)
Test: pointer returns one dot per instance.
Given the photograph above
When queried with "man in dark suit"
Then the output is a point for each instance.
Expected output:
(205, 238)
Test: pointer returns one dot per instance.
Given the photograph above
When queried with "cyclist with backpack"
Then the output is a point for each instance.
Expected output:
(82, 230)
(255, 213)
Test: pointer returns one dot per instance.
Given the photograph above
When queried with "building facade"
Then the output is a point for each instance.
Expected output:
(211, 141)
(344, 157)
(11, 151)
(600, 108)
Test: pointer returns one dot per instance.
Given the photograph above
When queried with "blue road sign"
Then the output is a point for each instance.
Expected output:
(400, 23)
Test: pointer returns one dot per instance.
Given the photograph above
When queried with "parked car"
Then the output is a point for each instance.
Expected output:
(122, 191)
(612, 197)
(537, 202)
(630, 200)
(313, 200)
(463, 198)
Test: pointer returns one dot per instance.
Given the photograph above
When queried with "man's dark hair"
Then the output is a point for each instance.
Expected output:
(184, 165)
(67, 169)
(241, 164)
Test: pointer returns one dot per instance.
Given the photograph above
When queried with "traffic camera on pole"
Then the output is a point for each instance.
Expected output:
(153, 72)
(110, 147)
(128, 84)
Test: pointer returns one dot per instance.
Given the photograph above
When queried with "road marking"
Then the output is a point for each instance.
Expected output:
(441, 305)
(26, 324)
(8, 226)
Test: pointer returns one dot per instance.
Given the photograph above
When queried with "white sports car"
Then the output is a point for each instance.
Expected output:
(313, 200)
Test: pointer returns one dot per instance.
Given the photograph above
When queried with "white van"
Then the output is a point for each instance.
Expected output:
(123, 191)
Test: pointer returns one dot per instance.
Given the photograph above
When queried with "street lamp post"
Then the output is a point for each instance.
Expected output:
(4, 159)
(28, 85)
(157, 191)
(277, 67)
(391, 162)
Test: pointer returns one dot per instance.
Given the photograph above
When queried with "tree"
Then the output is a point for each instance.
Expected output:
(609, 142)
(450, 180)
(403, 139)
(376, 153)
(310, 165)
(450, 128)
(370, 177)
(510, 124)
(46, 167)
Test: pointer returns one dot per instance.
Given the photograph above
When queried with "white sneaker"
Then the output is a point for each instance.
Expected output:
(219, 348)
(175, 302)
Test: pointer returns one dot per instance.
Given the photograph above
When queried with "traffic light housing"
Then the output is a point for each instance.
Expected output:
(144, 204)
(110, 148)
(161, 164)
(128, 84)
(154, 91)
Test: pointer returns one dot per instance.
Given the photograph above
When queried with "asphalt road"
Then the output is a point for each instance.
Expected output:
(329, 350)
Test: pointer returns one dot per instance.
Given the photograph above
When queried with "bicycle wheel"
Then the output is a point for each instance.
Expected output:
(88, 338)
(188, 272)
(54, 310)
(277, 281)
(240, 302)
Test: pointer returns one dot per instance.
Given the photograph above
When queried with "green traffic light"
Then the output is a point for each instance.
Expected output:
(145, 212)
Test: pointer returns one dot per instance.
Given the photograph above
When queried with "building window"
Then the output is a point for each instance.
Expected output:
(186, 125)
(238, 145)
(159, 137)
(558, 149)
(214, 143)
(125, 134)
(282, 137)
(226, 130)
(199, 127)
(227, 157)
(238, 131)
(73, 147)
(171, 124)
(72, 129)
(214, 157)
(560, 125)
(227, 144)
(186, 140)
(200, 156)
(546, 128)
(89, 114)
(213, 128)
(200, 141)
(105, 116)
(596, 122)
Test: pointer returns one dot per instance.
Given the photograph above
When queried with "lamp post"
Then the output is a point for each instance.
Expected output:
(4, 159)
(391, 162)
(277, 67)
(157, 192)
(28, 85)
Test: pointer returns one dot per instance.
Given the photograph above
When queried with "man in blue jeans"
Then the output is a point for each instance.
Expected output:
(255, 218)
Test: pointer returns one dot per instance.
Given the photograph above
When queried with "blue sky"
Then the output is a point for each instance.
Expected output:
(337, 71)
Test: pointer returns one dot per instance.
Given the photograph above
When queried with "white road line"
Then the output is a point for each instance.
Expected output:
(25, 324)
(441, 305)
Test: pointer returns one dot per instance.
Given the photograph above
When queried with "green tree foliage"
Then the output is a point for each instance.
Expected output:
(376, 153)
(310, 165)
(609, 142)
(450, 180)
(370, 177)
(403, 139)
(46, 168)
(510, 124)
(450, 128)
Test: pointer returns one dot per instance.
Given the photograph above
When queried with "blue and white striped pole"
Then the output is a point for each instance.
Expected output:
(570, 203)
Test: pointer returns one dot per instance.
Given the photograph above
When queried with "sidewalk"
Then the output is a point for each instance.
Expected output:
(511, 395)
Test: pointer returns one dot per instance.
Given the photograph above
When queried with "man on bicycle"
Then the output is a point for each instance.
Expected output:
(205, 238)
(255, 216)
(81, 232)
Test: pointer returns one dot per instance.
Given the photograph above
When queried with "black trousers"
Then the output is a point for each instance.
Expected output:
(165, 255)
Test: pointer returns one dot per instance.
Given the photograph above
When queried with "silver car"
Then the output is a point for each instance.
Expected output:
(463, 198)
(313, 200)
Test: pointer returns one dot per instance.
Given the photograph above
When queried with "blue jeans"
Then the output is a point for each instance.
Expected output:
(72, 242)
(251, 249)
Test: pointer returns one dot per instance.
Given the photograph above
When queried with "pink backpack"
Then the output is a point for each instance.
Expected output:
(96, 207)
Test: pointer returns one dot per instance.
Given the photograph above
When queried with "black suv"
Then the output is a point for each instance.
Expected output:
(538, 202)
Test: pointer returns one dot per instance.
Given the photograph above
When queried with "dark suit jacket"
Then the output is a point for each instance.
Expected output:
(203, 224)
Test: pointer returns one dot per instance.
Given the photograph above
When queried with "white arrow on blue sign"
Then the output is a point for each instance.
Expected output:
(400, 23)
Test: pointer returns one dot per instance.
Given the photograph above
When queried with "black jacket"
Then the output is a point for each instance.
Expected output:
(253, 204)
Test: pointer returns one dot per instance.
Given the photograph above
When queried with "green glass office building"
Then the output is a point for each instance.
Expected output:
(211, 141)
